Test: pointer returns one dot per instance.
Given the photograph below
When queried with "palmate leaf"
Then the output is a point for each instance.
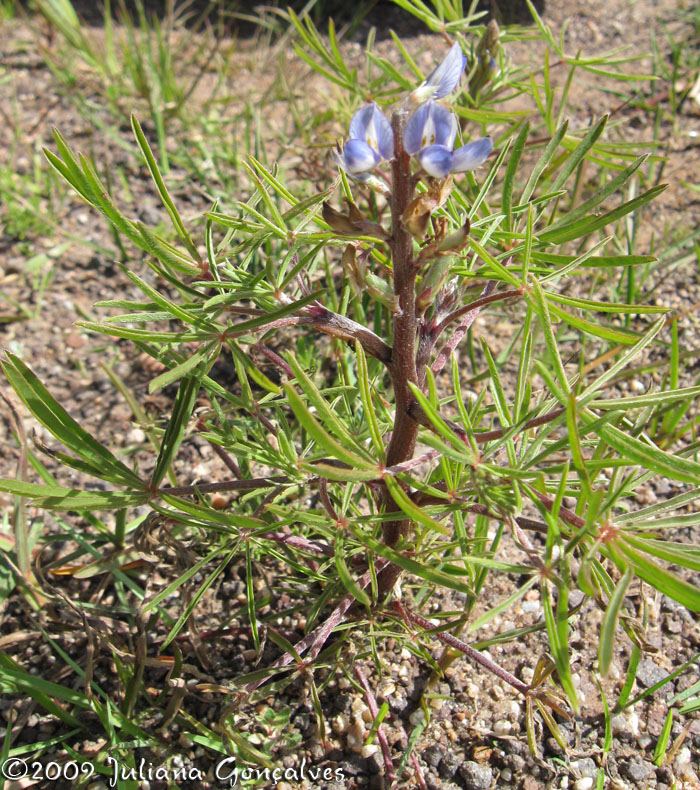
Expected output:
(613, 334)
(659, 577)
(49, 412)
(588, 225)
(610, 620)
(14, 680)
(81, 175)
(648, 455)
(357, 461)
(162, 189)
(56, 498)
(174, 433)
(597, 261)
(440, 577)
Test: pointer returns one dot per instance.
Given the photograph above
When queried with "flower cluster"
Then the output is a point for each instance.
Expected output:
(429, 135)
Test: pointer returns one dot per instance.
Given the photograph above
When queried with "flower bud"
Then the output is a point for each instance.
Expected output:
(431, 283)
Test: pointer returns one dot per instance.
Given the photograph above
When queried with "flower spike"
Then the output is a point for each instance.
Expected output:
(443, 79)
(371, 141)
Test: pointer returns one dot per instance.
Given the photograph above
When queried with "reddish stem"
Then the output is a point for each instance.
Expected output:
(374, 710)
(463, 647)
(403, 359)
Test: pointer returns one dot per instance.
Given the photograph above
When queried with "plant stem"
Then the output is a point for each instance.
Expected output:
(463, 647)
(403, 359)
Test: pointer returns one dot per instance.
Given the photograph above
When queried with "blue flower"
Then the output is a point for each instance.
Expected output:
(430, 136)
(371, 141)
(443, 79)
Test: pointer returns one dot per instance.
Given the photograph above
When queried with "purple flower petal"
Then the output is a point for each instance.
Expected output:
(413, 133)
(470, 156)
(444, 78)
(371, 126)
(359, 157)
(436, 160)
(430, 124)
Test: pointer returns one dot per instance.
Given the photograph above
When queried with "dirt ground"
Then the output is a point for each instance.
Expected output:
(475, 739)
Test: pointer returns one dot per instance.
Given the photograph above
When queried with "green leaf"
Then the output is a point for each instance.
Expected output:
(539, 305)
(587, 208)
(588, 225)
(543, 161)
(432, 575)
(437, 421)
(323, 438)
(366, 396)
(60, 424)
(662, 744)
(649, 456)
(181, 370)
(162, 189)
(613, 334)
(174, 433)
(605, 307)
(610, 620)
(661, 579)
(14, 680)
(511, 170)
(344, 574)
(55, 498)
(328, 416)
(409, 507)
(573, 160)
(621, 363)
(557, 631)
(599, 261)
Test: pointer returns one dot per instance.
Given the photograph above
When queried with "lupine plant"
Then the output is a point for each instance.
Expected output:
(380, 450)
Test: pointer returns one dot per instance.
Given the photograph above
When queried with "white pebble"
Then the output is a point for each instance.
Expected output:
(583, 784)
(369, 750)
(136, 436)
(514, 710)
(527, 674)
(502, 727)
(387, 690)
(417, 717)
(340, 724)
(684, 756)
(627, 722)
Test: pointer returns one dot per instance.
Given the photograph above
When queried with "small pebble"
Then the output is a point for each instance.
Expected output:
(136, 436)
(476, 776)
(585, 783)
(502, 727)
(527, 674)
(417, 717)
